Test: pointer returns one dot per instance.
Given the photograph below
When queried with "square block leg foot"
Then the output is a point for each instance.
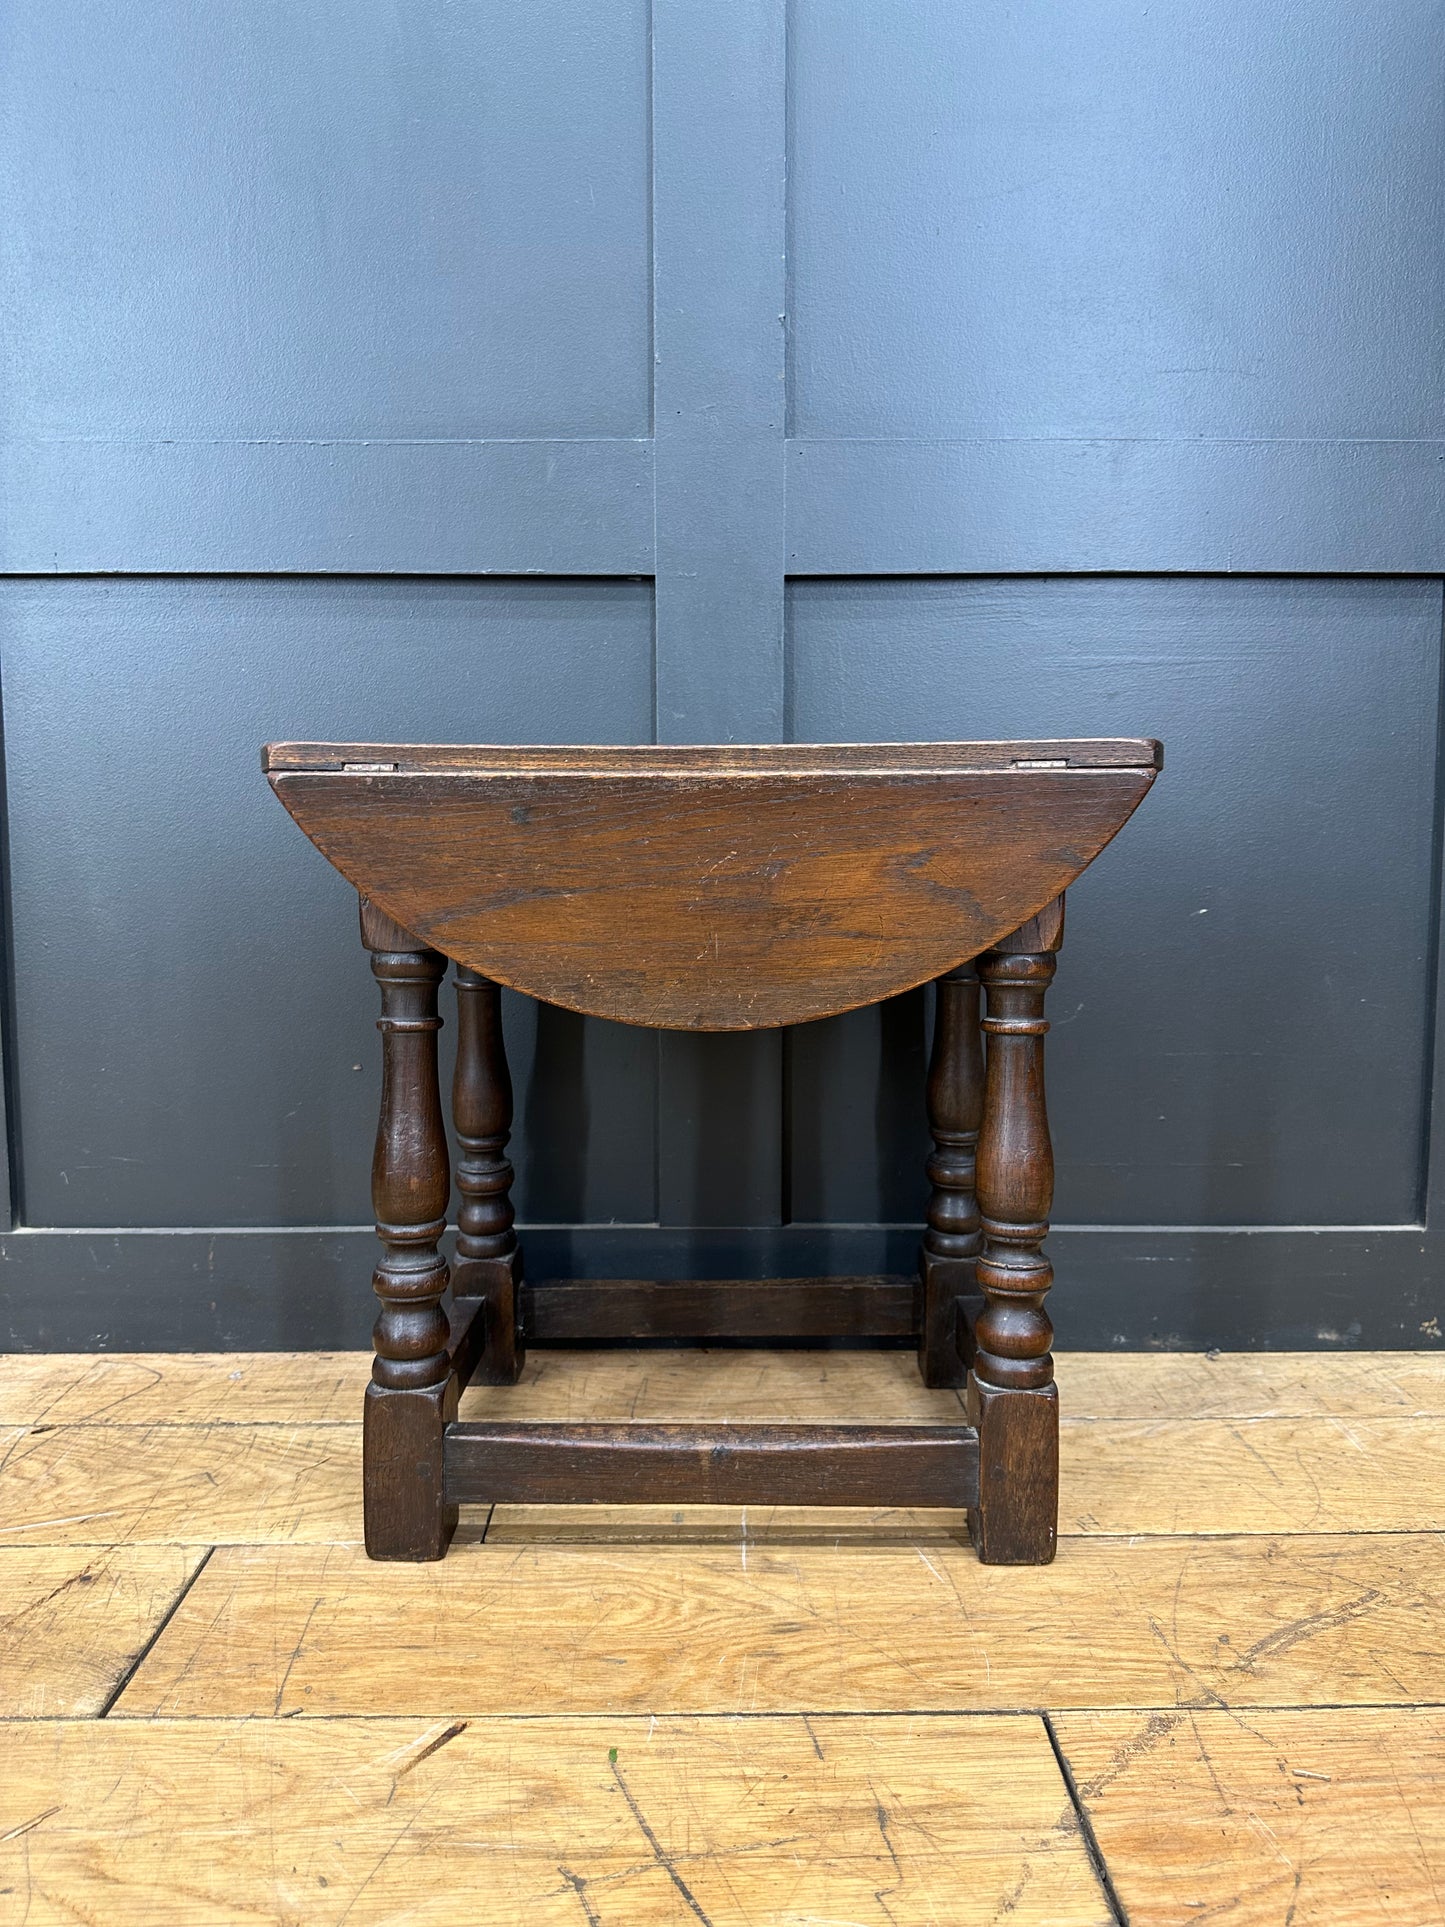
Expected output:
(401, 1459)
(1016, 1521)
(949, 1300)
(498, 1283)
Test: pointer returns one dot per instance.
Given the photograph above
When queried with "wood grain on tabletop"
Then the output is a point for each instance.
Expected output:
(721, 896)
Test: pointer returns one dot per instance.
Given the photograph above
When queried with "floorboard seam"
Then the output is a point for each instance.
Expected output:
(639, 1542)
(149, 1646)
(1086, 1829)
(460, 1711)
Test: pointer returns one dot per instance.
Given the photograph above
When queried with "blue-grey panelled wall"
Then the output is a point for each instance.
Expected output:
(813, 369)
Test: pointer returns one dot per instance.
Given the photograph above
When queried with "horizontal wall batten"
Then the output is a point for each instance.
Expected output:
(919, 507)
(327, 507)
(854, 507)
(277, 1289)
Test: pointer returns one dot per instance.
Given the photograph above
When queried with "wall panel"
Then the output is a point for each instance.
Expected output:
(268, 220)
(193, 1040)
(1122, 221)
(1243, 1007)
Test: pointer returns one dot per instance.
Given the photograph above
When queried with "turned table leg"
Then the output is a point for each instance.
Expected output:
(488, 1261)
(1012, 1398)
(952, 1240)
(412, 1394)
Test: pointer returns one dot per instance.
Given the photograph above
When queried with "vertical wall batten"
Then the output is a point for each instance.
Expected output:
(718, 225)
(719, 187)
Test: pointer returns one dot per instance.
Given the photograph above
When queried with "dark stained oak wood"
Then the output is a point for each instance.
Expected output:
(1016, 1518)
(467, 1340)
(861, 1465)
(713, 889)
(1011, 1394)
(413, 1392)
(1043, 932)
(1089, 752)
(405, 1514)
(569, 1310)
(718, 890)
(953, 1237)
(488, 1260)
(1015, 1176)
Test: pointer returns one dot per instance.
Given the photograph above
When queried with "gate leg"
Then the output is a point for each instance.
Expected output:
(952, 1240)
(1012, 1398)
(489, 1261)
(412, 1394)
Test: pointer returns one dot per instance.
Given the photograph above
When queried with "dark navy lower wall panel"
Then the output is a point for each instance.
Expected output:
(1243, 1008)
(192, 1037)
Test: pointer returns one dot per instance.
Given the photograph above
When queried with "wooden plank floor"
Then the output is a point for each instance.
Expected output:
(1224, 1703)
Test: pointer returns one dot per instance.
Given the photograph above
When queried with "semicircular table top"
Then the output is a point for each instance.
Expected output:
(713, 888)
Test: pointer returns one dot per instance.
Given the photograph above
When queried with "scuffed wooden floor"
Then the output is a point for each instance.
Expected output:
(1224, 1703)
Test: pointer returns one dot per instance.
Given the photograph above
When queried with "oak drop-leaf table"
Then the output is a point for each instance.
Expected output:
(713, 889)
